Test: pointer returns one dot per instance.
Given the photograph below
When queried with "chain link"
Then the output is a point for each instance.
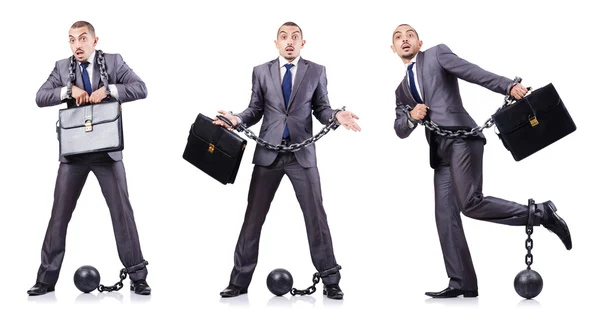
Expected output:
(311, 289)
(462, 133)
(316, 278)
(529, 246)
(103, 73)
(71, 77)
(117, 285)
(292, 147)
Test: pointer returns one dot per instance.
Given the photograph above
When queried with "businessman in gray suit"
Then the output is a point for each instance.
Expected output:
(125, 86)
(285, 91)
(430, 88)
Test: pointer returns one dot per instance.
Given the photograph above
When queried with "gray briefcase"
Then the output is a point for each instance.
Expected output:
(90, 128)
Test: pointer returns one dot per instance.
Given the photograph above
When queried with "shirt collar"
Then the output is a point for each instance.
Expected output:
(413, 60)
(283, 61)
(90, 59)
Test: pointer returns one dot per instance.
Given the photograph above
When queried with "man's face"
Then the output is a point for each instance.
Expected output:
(83, 43)
(289, 42)
(406, 43)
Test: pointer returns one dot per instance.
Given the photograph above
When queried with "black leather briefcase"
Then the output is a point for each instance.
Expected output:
(534, 122)
(214, 150)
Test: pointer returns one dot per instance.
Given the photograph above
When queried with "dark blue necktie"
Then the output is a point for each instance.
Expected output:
(286, 86)
(86, 78)
(413, 87)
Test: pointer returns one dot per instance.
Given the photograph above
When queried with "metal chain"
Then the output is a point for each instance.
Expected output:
(71, 77)
(103, 73)
(529, 246)
(462, 133)
(117, 285)
(292, 147)
(311, 289)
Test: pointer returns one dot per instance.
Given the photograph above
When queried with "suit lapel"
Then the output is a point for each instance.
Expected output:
(276, 78)
(420, 62)
(300, 72)
(405, 94)
(96, 74)
(78, 78)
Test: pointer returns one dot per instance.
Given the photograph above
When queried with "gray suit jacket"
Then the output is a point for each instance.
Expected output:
(309, 94)
(129, 85)
(438, 70)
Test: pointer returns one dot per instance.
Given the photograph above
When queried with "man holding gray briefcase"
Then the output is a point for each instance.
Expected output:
(88, 78)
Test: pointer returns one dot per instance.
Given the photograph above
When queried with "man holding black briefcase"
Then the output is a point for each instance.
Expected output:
(89, 77)
(286, 91)
(430, 92)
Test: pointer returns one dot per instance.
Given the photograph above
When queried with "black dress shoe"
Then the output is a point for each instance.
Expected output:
(333, 291)
(140, 287)
(557, 225)
(233, 290)
(452, 292)
(40, 288)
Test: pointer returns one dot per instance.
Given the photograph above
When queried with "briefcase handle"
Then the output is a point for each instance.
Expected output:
(512, 100)
(508, 99)
(225, 120)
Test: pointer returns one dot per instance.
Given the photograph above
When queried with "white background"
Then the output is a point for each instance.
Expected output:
(377, 189)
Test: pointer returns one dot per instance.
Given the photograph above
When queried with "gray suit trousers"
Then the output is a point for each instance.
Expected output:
(458, 188)
(69, 183)
(264, 184)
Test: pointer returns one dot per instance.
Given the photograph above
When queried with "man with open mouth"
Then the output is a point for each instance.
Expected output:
(430, 88)
(87, 88)
(285, 92)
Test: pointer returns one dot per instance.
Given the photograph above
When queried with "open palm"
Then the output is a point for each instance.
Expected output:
(348, 120)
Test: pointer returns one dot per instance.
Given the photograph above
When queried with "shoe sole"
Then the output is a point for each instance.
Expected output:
(336, 297)
(38, 294)
(228, 296)
(562, 222)
(465, 295)
(132, 289)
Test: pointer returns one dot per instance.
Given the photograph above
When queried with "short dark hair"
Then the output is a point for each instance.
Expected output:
(409, 26)
(292, 24)
(81, 24)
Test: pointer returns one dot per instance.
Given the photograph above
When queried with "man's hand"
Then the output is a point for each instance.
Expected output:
(227, 115)
(81, 96)
(98, 95)
(346, 118)
(419, 112)
(518, 91)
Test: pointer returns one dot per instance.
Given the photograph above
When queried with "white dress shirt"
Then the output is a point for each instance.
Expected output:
(282, 69)
(114, 92)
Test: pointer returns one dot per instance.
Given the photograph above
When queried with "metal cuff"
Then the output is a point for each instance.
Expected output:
(333, 119)
(514, 82)
(137, 267)
(330, 271)
(531, 212)
(411, 119)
